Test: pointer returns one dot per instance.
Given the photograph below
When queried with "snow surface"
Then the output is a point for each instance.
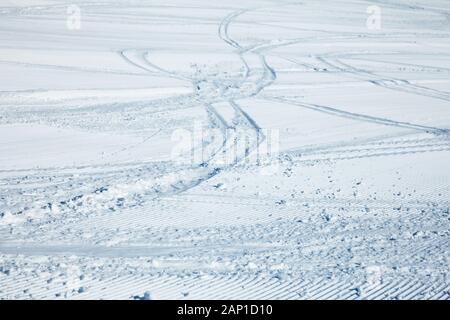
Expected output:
(354, 206)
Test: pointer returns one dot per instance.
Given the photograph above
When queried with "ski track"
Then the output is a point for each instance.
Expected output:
(196, 231)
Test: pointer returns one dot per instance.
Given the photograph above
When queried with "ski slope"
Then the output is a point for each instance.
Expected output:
(352, 202)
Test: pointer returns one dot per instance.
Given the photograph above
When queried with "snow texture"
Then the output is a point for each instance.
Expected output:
(353, 203)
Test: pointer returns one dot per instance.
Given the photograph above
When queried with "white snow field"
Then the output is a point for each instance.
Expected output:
(352, 202)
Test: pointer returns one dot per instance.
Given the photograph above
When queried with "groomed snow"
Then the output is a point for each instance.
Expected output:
(354, 203)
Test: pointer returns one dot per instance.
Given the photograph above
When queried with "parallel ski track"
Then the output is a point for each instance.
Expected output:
(361, 117)
(386, 82)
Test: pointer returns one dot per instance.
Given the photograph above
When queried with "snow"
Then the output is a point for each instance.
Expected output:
(317, 150)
